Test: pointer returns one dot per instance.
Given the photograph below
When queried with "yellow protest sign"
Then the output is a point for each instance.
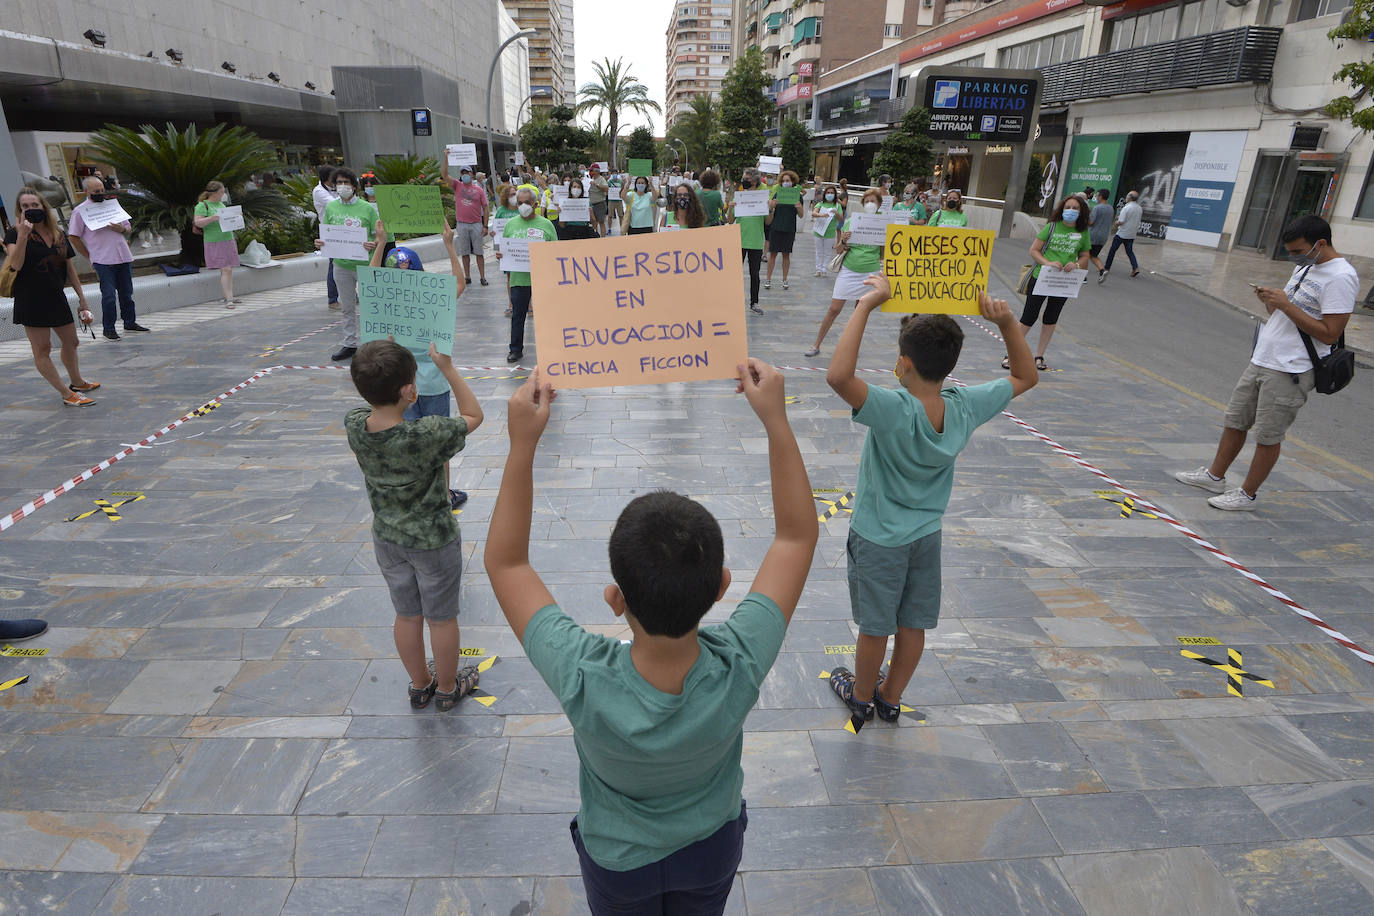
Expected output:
(639, 309)
(936, 268)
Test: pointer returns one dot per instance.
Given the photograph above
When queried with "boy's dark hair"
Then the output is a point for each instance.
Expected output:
(1103, 194)
(932, 343)
(1309, 228)
(710, 179)
(343, 174)
(667, 553)
(380, 370)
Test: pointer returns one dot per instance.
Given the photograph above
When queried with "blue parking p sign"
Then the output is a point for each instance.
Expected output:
(989, 124)
(946, 94)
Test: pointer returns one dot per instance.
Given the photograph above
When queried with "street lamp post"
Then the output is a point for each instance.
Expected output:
(491, 77)
(678, 141)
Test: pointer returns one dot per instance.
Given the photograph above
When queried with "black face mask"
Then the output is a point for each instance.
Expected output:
(746, 184)
(96, 198)
(683, 203)
(36, 216)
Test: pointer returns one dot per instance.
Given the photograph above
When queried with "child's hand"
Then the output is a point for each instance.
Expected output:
(527, 412)
(994, 310)
(442, 360)
(448, 234)
(881, 291)
(379, 231)
(762, 385)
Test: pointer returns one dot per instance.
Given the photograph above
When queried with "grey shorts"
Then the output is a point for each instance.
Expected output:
(891, 587)
(468, 238)
(422, 581)
(599, 211)
(1267, 401)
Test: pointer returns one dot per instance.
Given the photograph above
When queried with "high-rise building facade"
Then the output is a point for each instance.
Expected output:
(569, 58)
(549, 85)
(698, 53)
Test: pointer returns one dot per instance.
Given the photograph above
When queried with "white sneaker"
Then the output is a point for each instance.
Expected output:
(814, 351)
(1236, 500)
(767, 284)
(1201, 478)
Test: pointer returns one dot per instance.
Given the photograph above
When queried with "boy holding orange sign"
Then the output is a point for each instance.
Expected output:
(906, 474)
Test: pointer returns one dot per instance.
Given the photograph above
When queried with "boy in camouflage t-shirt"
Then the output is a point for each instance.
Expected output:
(419, 548)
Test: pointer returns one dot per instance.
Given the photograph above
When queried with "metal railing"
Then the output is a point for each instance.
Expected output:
(1241, 55)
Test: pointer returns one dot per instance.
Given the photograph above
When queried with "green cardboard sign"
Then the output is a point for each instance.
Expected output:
(641, 168)
(412, 306)
(411, 208)
(789, 195)
(1095, 161)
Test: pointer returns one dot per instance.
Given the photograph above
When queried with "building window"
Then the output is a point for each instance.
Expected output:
(902, 84)
(1311, 9)
(892, 30)
(974, 61)
(1052, 49)
(1195, 17)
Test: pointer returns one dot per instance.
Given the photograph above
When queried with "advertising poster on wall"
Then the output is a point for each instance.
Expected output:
(1095, 162)
(1153, 165)
(1210, 167)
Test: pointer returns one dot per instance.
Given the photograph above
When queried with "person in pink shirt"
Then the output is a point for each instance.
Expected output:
(107, 248)
(470, 208)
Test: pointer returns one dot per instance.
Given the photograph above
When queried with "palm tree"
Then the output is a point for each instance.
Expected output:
(615, 90)
(168, 169)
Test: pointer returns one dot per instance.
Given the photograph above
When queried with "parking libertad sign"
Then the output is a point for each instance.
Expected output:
(985, 107)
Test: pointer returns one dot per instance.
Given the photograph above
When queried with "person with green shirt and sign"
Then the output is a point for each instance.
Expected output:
(349, 210)
(524, 225)
(221, 251)
(910, 204)
(859, 262)
(829, 211)
(1063, 244)
(750, 238)
(952, 213)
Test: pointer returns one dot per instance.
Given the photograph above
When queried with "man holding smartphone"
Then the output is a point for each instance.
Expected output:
(1317, 300)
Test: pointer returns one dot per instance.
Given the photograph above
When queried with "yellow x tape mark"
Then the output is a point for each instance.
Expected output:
(109, 508)
(834, 506)
(1126, 503)
(1234, 672)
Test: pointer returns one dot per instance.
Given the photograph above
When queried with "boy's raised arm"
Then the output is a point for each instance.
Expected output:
(1024, 375)
(453, 258)
(518, 587)
(379, 252)
(840, 376)
(784, 569)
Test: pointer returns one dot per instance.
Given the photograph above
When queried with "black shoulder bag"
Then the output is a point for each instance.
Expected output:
(1333, 371)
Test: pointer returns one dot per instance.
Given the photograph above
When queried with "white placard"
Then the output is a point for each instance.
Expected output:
(603, 166)
(515, 253)
(821, 224)
(558, 192)
(575, 209)
(498, 229)
(613, 192)
(674, 182)
(871, 228)
(519, 157)
(751, 203)
(887, 204)
(1055, 282)
(344, 242)
(465, 154)
(231, 219)
(770, 165)
(105, 213)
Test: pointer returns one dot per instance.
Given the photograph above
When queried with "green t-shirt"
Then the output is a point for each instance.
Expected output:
(906, 469)
(212, 231)
(750, 232)
(918, 209)
(863, 259)
(519, 227)
(403, 471)
(505, 213)
(949, 218)
(832, 229)
(1063, 244)
(714, 205)
(657, 771)
(357, 213)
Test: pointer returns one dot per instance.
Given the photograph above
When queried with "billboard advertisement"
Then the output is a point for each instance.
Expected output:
(983, 108)
(1154, 163)
(1095, 162)
(1205, 185)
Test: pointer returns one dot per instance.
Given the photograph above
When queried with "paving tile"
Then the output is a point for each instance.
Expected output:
(1357, 855)
(29, 892)
(50, 773)
(1026, 886)
(874, 767)
(780, 769)
(360, 896)
(1204, 817)
(1042, 759)
(842, 836)
(817, 893)
(1276, 879)
(998, 676)
(73, 841)
(1172, 880)
(1103, 822)
(540, 776)
(164, 894)
(1243, 752)
(220, 846)
(448, 846)
(237, 776)
(279, 687)
(1100, 674)
(335, 846)
(1318, 809)
(465, 896)
(966, 831)
(1346, 738)
(432, 776)
(1139, 755)
(175, 687)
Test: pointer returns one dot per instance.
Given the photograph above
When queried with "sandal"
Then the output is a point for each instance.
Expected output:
(842, 682)
(227, 303)
(85, 386)
(467, 682)
(888, 712)
(420, 696)
(1040, 363)
(1006, 362)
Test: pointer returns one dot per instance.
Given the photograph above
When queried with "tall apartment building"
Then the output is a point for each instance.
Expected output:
(549, 84)
(698, 53)
(569, 58)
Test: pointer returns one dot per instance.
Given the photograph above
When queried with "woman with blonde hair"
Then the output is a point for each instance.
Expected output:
(221, 251)
(859, 262)
(42, 260)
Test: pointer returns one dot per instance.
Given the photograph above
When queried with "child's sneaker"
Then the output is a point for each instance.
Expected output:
(842, 682)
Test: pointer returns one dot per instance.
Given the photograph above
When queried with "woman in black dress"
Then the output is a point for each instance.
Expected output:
(43, 258)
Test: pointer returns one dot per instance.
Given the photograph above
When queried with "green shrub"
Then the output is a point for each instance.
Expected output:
(289, 236)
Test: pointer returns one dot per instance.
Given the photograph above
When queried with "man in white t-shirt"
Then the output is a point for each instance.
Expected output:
(1318, 299)
(1127, 225)
(322, 195)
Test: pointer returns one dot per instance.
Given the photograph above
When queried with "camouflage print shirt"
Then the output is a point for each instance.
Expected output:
(403, 469)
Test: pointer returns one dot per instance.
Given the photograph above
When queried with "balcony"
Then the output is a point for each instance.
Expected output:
(1244, 55)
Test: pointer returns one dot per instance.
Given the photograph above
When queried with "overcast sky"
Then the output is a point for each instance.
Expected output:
(607, 28)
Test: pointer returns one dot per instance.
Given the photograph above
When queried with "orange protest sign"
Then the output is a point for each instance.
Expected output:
(639, 309)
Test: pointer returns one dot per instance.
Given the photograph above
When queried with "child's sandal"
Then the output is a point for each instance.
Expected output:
(420, 696)
(842, 682)
(467, 683)
(888, 712)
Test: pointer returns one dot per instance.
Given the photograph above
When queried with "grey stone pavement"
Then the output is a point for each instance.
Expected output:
(219, 724)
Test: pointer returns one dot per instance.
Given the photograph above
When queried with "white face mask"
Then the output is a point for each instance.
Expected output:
(641, 187)
(830, 195)
(871, 207)
(345, 191)
(575, 192)
(787, 184)
(512, 202)
(526, 211)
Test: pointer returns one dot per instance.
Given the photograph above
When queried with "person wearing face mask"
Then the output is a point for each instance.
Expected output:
(859, 262)
(321, 196)
(1127, 225)
(782, 227)
(506, 207)
(576, 229)
(827, 202)
(641, 208)
(1064, 244)
(526, 224)
(107, 248)
(470, 210)
(843, 198)
(751, 239)
(952, 213)
(685, 210)
(221, 251)
(42, 258)
(349, 210)
(912, 206)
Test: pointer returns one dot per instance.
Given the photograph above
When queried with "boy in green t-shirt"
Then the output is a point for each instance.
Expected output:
(658, 723)
(906, 473)
(414, 534)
